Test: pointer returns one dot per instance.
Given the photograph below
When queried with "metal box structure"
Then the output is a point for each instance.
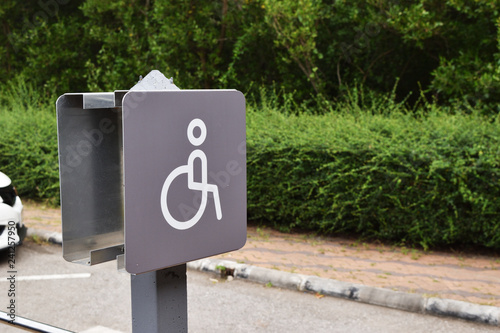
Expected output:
(90, 166)
(119, 153)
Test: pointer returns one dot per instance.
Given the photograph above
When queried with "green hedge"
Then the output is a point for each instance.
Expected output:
(428, 180)
(431, 181)
(28, 151)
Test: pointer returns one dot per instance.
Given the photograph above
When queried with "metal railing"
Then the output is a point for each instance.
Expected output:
(29, 325)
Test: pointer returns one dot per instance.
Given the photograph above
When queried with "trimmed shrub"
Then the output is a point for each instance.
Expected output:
(429, 181)
(420, 179)
(28, 151)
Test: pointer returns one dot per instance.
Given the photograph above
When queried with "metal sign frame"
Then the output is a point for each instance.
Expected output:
(184, 175)
(90, 167)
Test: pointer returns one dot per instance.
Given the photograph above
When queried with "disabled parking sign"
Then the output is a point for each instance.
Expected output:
(202, 186)
(184, 162)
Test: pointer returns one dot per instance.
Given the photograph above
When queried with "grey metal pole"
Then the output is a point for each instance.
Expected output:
(159, 301)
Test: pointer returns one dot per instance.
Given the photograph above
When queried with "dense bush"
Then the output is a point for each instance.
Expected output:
(449, 49)
(430, 181)
(28, 143)
(322, 154)
(422, 177)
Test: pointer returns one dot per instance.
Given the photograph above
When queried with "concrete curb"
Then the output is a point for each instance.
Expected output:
(377, 296)
(489, 315)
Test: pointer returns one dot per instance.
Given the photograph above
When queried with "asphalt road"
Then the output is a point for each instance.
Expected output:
(76, 298)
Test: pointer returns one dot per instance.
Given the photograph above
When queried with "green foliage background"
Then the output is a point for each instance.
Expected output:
(377, 118)
(420, 177)
(448, 49)
(428, 181)
(28, 143)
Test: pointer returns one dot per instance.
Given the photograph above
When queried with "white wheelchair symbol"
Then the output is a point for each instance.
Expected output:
(202, 186)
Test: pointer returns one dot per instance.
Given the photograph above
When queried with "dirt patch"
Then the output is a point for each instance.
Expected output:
(41, 216)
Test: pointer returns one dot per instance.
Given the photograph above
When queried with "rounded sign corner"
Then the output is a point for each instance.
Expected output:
(240, 95)
(242, 242)
(127, 96)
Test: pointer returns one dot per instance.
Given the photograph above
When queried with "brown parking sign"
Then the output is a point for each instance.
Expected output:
(184, 162)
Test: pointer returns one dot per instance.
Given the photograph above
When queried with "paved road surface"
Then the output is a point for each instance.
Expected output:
(101, 296)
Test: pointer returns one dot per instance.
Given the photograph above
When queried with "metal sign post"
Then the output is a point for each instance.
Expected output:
(153, 177)
(159, 300)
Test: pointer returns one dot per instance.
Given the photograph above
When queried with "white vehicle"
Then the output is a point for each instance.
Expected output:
(12, 229)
